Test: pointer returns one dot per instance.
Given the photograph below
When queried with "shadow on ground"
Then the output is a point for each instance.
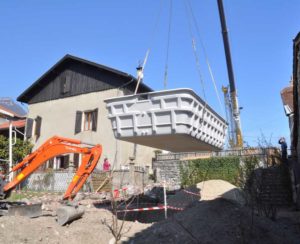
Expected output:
(219, 221)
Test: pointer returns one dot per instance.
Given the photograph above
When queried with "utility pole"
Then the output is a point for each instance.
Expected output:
(238, 142)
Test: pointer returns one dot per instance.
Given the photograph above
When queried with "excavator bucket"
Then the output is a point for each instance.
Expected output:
(28, 210)
(20, 209)
(68, 213)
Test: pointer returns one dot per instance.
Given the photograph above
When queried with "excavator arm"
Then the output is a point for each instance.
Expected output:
(53, 147)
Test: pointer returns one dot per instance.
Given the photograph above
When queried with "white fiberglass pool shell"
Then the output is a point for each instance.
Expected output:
(175, 120)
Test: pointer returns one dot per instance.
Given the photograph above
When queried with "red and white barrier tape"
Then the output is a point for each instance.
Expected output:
(149, 209)
(174, 208)
(141, 209)
(192, 193)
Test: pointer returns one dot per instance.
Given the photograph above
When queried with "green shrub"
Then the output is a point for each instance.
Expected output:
(247, 167)
(224, 168)
(20, 149)
(236, 170)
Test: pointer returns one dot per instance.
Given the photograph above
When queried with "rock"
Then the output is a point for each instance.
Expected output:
(43, 207)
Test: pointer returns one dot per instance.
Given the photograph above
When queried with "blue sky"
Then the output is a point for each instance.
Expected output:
(36, 34)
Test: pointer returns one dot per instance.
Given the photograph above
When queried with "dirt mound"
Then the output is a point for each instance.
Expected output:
(88, 230)
(184, 198)
(218, 221)
(212, 189)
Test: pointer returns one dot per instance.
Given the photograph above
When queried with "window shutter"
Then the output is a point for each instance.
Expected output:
(29, 125)
(65, 84)
(78, 121)
(38, 124)
(94, 119)
(62, 84)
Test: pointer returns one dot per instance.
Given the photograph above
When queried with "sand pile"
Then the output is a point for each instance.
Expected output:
(213, 189)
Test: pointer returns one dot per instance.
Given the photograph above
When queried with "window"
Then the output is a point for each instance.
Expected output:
(76, 160)
(63, 162)
(86, 121)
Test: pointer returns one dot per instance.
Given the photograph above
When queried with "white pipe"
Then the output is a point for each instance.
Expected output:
(165, 200)
(10, 151)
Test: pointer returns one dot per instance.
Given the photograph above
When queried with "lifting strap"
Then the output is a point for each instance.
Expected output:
(191, 15)
(197, 64)
(168, 45)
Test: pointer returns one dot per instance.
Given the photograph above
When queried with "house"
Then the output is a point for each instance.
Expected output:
(15, 113)
(68, 101)
(296, 102)
(288, 105)
(296, 126)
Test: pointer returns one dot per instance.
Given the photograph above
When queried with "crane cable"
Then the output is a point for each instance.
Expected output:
(168, 44)
(197, 62)
(152, 37)
(205, 55)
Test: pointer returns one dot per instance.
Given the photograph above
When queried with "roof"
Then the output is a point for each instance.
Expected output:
(5, 114)
(297, 38)
(17, 123)
(24, 97)
(287, 97)
(9, 106)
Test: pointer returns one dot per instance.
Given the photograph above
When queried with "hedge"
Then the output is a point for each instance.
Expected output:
(224, 168)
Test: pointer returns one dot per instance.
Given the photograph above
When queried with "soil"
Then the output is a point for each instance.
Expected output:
(205, 221)
(88, 229)
(220, 221)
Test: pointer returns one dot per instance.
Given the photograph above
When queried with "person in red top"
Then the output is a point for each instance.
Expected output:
(106, 165)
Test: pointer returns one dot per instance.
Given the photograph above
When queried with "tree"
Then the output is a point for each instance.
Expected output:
(20, 149)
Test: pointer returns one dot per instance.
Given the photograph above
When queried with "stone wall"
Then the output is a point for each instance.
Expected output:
(166, 167)
(168, 171)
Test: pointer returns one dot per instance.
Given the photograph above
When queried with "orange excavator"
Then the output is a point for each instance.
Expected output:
(53, 147)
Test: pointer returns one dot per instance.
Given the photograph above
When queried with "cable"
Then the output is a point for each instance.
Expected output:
(168, 44)
(197, 62)
(206, 56)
